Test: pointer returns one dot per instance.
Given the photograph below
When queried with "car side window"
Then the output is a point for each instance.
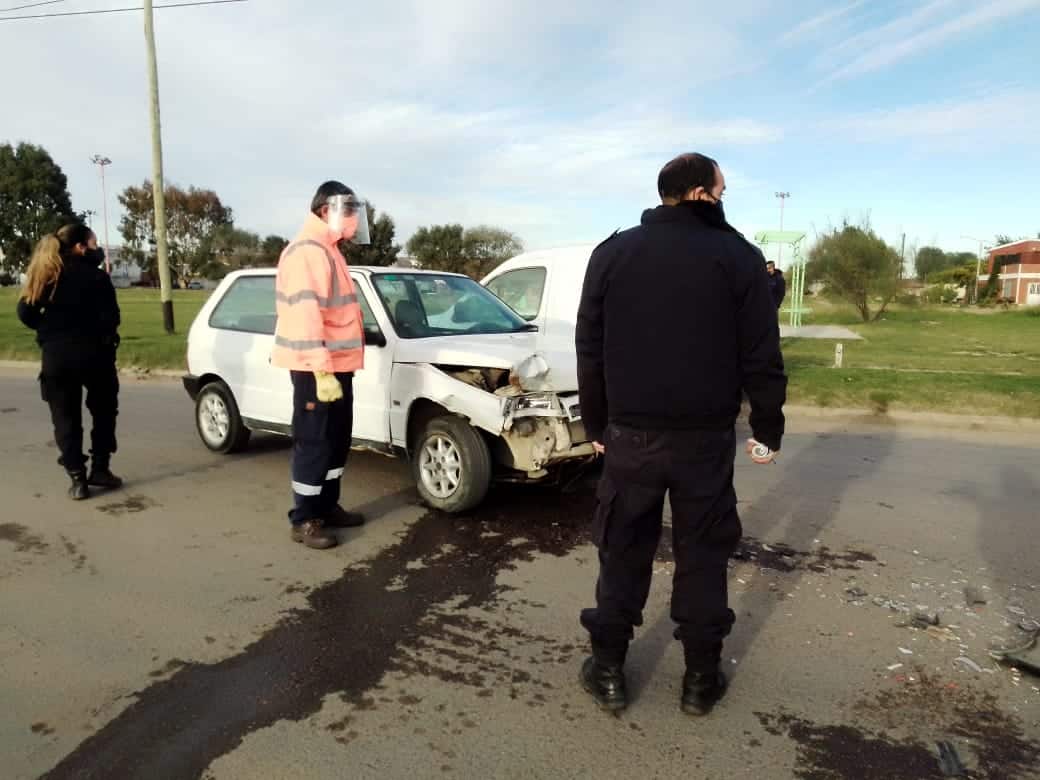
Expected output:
(522, 290)
(248, 306)
(372, 329)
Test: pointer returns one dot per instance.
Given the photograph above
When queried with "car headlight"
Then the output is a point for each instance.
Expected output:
(536, 401)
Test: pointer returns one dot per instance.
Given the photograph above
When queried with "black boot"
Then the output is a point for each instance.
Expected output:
(102, 477)
(78, 490)
(606, 683)
(701, 691)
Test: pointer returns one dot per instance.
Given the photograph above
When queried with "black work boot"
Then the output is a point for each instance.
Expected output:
(701, 691)
(341, 518)
(101, 476)
(606, 683)
(78, 490)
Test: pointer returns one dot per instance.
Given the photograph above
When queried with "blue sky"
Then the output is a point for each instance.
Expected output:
(552, 119)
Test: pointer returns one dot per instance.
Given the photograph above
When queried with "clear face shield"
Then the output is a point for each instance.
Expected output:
(348, 218)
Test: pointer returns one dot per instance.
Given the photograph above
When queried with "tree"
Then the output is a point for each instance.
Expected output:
(857, 266)
(34, 200)
(193, 217)
(382, 250)
(485, 248)
(474, 251)
(439, 247)
(930, 260)
(271, 250)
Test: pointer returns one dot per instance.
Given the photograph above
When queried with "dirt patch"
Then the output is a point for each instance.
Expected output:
(130, 506)
(22, 539)
(41, 728)
(781, 557)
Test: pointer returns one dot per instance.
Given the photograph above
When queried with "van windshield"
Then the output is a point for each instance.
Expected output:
(426, 305)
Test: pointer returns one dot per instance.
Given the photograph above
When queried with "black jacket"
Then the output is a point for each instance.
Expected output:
(83, 312)
(777, 286)
(675, 321)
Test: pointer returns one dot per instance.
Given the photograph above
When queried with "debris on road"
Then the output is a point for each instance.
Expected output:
(856, 593)
(973, 596)
(924, 617)
(906, 651)
(967, 662)
(949, 762)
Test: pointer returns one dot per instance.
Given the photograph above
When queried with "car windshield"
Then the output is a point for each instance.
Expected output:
(425, 305)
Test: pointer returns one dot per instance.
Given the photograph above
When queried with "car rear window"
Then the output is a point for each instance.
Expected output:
(248, 306)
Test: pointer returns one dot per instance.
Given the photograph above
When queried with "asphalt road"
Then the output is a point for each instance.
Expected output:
(172, 629)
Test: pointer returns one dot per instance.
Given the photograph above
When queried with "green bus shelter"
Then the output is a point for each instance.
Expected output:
(793, 239)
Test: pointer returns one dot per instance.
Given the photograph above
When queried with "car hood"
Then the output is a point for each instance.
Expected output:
(499, 350)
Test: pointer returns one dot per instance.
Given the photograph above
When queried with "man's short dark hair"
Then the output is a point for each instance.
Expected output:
(327, 190)
(686, 172)
(770, 263)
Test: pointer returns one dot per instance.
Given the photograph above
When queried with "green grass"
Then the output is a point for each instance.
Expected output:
(144, 342)
(929, 358)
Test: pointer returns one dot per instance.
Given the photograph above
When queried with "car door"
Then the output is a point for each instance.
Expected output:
(242, 328)
(372, 383)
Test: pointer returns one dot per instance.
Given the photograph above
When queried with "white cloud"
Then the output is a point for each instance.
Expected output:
(908, 36)
(975, 119)
(818, 24)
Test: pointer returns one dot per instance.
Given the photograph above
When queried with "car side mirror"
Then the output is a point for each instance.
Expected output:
(374, 338)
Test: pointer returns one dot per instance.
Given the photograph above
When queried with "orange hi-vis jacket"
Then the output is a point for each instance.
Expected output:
(319, 320)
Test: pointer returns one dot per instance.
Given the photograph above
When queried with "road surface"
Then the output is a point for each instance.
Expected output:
(171, 629)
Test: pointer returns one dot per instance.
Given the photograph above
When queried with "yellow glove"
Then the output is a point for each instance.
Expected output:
(329, 388)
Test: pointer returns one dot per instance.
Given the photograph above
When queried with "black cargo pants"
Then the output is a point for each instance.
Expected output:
(321, 436)
(695, 468)
(65, 374)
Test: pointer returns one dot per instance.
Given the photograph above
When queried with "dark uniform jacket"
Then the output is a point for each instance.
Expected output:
(777, 286)
(81, 318)
(676, 321)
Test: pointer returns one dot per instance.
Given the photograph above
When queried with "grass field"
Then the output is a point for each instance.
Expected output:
(937, 359)
(144, 342)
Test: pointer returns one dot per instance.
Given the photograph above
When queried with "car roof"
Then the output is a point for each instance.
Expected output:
(368, 270)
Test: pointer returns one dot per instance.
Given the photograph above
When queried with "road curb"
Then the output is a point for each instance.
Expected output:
(131, 372)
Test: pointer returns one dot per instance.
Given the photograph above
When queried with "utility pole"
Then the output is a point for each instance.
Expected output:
(902, 256)
(158, 189)
(978, 267)
(101, 163)
(780, 247)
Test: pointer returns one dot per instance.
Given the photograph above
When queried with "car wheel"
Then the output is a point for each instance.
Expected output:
(452, 465)
(217, 419)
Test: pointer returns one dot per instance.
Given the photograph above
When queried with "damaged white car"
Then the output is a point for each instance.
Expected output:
(453, 380)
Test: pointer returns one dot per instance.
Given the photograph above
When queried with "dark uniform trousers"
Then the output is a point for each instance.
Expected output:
(64, 377)
(321, 442)
(695, 468)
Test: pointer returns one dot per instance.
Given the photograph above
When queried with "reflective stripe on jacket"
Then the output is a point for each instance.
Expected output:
(319, 320)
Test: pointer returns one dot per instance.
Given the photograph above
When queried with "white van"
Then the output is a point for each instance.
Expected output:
(544, 287)
(453, 379)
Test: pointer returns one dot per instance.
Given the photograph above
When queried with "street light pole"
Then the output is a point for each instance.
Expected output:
(158, 189)
(101, 162)
(780, 247)
(978, 267)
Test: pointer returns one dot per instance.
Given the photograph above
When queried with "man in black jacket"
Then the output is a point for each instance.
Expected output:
(676, 322)
(777, 283)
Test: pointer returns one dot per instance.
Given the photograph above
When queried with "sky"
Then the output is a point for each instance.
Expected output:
(551, 119)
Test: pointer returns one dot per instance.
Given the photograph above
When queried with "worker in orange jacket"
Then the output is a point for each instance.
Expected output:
(320, 339)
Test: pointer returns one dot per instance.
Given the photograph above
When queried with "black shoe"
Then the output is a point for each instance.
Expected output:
(313, 535)
(605, 683)
(78, 490)
(702, 691)
(102, 477)
(341, 518)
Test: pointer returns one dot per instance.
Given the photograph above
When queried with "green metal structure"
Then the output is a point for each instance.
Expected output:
(795, 305)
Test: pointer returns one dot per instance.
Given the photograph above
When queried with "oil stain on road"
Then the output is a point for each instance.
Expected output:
(343, 642)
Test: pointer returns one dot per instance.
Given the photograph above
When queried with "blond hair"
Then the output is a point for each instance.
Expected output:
(46, 264)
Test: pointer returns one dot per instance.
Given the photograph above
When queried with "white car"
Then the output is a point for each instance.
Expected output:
(453, 379)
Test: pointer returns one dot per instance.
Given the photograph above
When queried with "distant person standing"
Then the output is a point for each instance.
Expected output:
(777, 283)
(660, 379)
(71, 304)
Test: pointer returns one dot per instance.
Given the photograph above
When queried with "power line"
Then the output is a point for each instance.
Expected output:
(30, 5)
(117, 10)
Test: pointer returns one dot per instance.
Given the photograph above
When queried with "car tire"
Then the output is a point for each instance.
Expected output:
(451, 464)
(217, 420)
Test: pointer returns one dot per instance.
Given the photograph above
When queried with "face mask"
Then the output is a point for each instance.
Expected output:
(95, 256)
